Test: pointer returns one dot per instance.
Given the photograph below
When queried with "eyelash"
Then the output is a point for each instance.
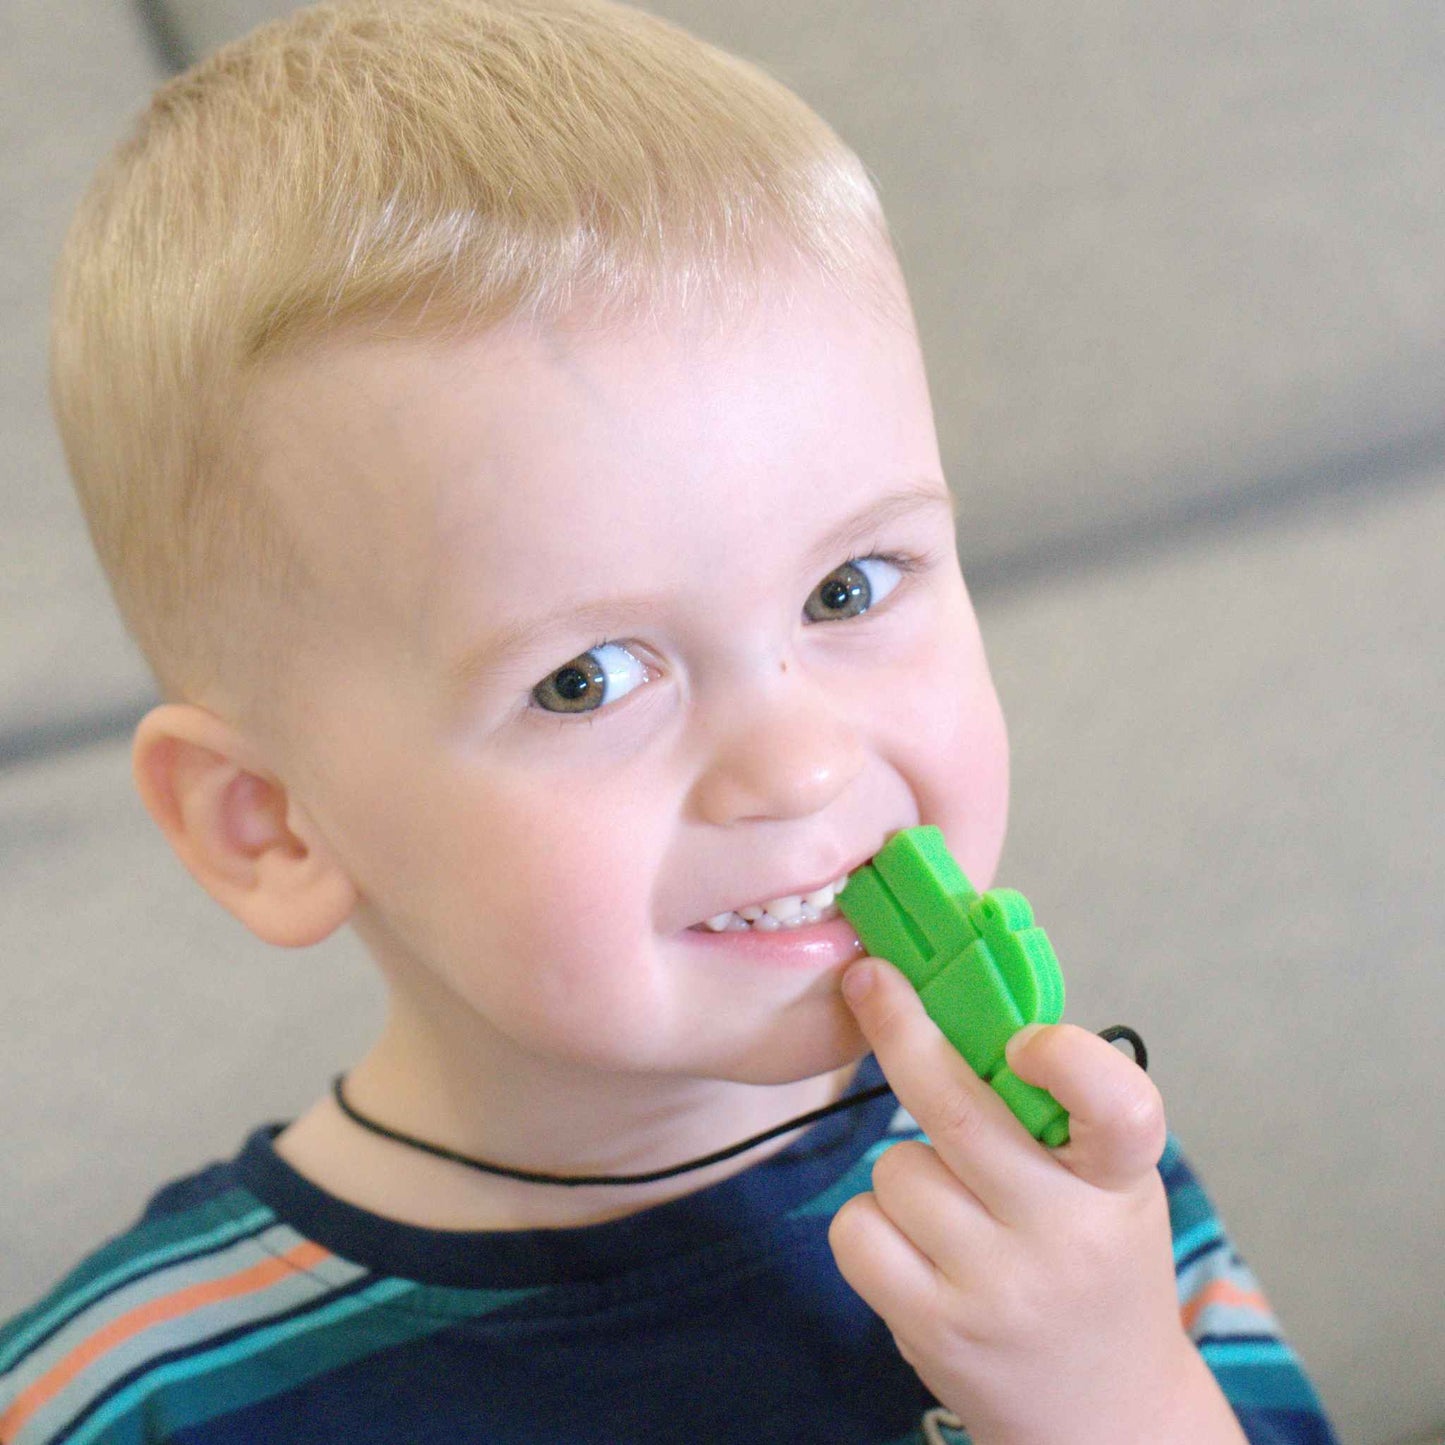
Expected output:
(908, 563)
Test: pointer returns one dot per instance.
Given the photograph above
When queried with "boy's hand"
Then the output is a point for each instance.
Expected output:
(1033, 1291)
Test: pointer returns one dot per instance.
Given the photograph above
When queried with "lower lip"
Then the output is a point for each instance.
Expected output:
(813, 945)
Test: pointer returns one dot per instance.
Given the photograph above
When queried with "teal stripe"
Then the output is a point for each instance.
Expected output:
(1189, 1207)
(66, 1301)
(203, 1405)
(1263, 1376)
(1209, 1232)
(221, 1381)
(303, 1349)
(855, 1181)
(1232, 1354)
(1172, 1154)
(945, 1432)
(860, 1176)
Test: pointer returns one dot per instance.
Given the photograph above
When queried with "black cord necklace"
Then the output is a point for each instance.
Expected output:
(573, 1181)
(533, 1176)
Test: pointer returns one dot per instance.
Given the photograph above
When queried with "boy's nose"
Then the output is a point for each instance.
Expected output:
(785, 755)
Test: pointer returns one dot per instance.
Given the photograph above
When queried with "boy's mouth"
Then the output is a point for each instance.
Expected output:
(793, 910)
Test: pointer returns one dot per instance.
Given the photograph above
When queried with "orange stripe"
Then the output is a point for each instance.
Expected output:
(1222, 1292)
(304, 1256)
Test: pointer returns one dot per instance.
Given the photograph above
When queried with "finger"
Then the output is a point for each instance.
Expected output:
(880, 1263)
(933, 1209)
(1116, 1116)
(966, 1122)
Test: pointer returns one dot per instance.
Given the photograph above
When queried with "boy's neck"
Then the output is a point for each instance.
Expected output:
(651, 1127)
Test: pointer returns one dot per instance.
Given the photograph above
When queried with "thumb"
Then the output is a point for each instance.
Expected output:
(1116, 1116)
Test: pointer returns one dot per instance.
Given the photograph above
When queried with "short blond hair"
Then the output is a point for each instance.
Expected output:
(423, 167)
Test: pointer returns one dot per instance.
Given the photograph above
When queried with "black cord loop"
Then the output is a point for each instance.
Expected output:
(1130, 1037)
(574, 1181)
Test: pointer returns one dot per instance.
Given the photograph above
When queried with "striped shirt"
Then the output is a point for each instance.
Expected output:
(246, 1306)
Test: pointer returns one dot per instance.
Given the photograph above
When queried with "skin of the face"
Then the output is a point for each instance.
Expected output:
(529, 881)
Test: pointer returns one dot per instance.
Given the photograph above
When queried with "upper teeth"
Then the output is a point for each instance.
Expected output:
(787, 912)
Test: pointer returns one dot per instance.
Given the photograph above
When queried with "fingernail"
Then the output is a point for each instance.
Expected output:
(1020, 1040)
(858, 980)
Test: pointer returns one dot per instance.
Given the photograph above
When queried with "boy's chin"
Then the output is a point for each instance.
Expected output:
(798, 1065)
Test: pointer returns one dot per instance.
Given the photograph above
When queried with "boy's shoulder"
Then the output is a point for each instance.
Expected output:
(186, 1323)
(202, 1242)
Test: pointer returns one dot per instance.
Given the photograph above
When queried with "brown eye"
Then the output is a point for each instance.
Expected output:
(852, 589)
(591, 679)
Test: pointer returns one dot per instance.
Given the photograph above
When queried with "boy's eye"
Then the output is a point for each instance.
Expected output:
(853, 588)
(608, 672)
(602, 674)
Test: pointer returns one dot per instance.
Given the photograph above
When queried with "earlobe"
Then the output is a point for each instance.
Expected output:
(233, 825)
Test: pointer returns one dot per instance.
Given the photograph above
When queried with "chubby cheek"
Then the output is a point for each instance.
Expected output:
(550, 915)
(947, 737)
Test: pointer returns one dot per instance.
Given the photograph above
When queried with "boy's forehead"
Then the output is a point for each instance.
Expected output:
(447, 468)
(638, 447)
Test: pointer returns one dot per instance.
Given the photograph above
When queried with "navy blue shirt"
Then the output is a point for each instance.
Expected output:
(248, 1306)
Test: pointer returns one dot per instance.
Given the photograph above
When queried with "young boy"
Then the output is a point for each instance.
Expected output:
(504, 429)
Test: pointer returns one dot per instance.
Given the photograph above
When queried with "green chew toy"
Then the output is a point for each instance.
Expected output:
(980, 965)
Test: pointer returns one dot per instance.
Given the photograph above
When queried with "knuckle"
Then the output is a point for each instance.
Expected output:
(958, 1117)
(845, 1218)
(896, 1163)
(851, 1225)
(1140, 1117)
(889, 1019)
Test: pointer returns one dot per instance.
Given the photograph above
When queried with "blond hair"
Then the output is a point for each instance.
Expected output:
(418, 168)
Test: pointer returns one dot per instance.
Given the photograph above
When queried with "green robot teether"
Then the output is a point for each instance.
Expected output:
(981, 966)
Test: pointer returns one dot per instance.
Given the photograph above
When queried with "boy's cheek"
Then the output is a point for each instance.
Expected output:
(947, 738)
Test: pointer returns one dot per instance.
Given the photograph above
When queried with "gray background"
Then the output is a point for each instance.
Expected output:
(1180, 273)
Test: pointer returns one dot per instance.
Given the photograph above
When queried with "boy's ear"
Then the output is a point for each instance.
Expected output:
(231, 822)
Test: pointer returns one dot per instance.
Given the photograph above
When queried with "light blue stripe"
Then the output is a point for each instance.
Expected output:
(1220, 1316)
(1224, 1319)
(251, 1344)
(142, 1292)
(71, 1305)
(1209, 1231)
(1214, 1265)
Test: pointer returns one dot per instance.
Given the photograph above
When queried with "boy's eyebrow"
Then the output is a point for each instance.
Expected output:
(919, 496)
(487, 655)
